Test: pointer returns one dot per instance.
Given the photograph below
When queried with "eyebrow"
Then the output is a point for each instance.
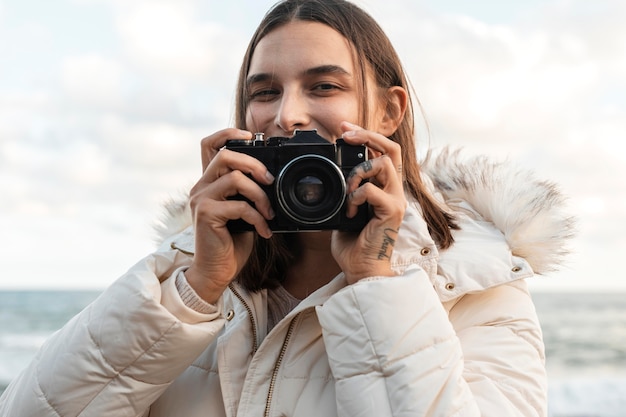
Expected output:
(326, 69)
(320, 70)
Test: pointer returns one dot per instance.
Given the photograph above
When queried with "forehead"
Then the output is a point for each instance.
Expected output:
(301, 44)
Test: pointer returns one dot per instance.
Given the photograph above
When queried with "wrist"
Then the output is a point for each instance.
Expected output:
(379, 271)
(206, 288)
(191, 298)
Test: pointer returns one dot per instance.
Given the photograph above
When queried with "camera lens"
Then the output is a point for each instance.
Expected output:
(310, 189)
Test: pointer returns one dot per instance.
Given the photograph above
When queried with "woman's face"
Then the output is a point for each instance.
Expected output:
(302, 76)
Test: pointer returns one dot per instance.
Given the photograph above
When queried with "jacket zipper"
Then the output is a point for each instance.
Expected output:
(279, 360)
(255, 343)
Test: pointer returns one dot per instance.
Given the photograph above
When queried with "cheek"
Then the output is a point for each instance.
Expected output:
(257, 117)
(336, 112)
(249, 122)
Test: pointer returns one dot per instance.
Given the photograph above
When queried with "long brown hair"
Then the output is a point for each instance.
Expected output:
(270, 259)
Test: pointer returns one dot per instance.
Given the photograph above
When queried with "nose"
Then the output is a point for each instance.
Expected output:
(292, 113)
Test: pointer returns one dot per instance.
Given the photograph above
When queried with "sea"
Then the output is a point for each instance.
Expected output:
(584, 333)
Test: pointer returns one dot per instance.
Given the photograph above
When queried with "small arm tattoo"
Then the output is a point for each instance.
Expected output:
(387, 242)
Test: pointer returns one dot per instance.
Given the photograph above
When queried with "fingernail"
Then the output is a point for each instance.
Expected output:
(269, 177)
(271, 213)
(349, 133)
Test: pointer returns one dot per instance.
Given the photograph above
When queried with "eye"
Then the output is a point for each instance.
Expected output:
(326, 87)
(263, 94)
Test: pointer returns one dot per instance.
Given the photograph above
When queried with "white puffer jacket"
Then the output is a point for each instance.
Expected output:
(455, 334)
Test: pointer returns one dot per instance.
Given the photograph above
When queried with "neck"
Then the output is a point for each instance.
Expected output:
(315, 266)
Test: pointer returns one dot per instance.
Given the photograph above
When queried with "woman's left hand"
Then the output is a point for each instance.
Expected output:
(369, 253)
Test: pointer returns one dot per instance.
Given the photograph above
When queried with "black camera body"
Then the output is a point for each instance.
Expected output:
(309, 191)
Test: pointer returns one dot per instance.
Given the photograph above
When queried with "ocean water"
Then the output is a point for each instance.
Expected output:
(585, 337)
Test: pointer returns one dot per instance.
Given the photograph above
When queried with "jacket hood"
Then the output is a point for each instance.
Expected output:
(176, 217)
(531, 213)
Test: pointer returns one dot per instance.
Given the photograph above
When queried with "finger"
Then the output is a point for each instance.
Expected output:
(384, 205)
(379, 170)
(376, 143)
(211, 145)
(227, 161)
(236, 183)
(219, 212)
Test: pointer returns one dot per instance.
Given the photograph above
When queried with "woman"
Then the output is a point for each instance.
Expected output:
(425, 312)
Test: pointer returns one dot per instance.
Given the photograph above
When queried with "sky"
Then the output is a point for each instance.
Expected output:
(103, 104)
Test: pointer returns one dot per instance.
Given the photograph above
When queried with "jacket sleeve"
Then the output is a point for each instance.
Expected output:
(394, 351)
(118, 355)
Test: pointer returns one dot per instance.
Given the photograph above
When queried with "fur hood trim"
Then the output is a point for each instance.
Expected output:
(530, 212)
(176, 217)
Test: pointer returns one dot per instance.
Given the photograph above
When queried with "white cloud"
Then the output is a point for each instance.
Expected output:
(86, 165)
(513, 82)
(168, 37)
(160, 35)
(69, 250)
(93, 79)
(151, 146)
(16, 110)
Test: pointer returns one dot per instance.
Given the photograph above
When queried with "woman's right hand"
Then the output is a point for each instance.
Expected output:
(219, 256)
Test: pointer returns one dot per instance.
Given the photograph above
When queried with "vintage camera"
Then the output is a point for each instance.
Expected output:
(309, 192)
